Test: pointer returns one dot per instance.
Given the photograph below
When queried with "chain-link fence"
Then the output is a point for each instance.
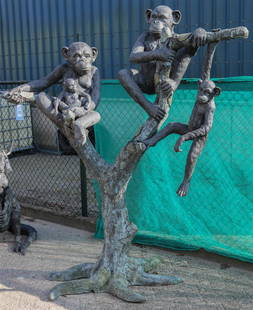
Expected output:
(46, 172)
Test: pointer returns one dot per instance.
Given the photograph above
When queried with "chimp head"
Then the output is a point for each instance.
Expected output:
(162, 20)
(80, 56)
(207, 91)
(70, 85)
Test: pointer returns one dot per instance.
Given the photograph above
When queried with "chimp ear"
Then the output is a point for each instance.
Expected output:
(148, 15)
(176, 17)
(216, 91)
(94, 52)
(200, 82)
(64, 52)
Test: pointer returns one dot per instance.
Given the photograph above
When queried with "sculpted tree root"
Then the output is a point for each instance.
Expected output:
(85, 278)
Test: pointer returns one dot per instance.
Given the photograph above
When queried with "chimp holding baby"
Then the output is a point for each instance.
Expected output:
(148, 50)
(200, 122)
(79, 58)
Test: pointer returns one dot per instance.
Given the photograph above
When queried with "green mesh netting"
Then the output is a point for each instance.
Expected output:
(217, 214)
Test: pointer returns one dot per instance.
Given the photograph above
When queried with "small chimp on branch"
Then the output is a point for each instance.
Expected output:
(200, 123)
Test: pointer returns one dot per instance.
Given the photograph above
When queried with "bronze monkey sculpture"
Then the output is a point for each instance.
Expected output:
(200, 122)
(79, 59)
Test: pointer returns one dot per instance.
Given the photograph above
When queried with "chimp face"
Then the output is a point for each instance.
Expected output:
(70, 85)
(80, 56)
(162, 20)
(207, 91)
(4, 168)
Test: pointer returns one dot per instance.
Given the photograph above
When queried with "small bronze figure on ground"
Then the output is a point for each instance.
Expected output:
(10, 211)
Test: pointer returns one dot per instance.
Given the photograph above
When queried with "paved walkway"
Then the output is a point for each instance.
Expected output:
(208, 283)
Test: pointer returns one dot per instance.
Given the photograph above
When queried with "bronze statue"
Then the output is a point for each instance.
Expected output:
(79, 58)
(164, 57)
(151, 48)
(200, 122)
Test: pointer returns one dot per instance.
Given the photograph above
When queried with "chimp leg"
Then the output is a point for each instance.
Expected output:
(15, 228)
(132, 82)
(47, 103)
(81, 123)
(169, 129)
(193, 155)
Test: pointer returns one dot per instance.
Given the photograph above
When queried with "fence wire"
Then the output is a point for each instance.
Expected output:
(217, 212)
(46, 172)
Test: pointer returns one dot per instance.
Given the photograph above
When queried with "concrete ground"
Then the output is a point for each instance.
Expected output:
(211, 282)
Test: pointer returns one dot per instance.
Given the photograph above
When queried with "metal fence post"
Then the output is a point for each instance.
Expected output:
(83, 178)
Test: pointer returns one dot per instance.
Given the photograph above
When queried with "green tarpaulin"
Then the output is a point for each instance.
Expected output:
(217, 214)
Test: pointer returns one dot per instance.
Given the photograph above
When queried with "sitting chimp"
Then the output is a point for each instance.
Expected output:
(79, 58)
(148, 50)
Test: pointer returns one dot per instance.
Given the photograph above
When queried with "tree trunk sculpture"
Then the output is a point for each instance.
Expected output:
(115, 271)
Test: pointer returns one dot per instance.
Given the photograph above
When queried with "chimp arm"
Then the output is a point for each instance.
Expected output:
(140, 55)
(202, 131)
(45, 82)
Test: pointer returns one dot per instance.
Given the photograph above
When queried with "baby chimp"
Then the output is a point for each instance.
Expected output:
(200, 122)
(69, 97)
(73, 103)
(78, 67)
